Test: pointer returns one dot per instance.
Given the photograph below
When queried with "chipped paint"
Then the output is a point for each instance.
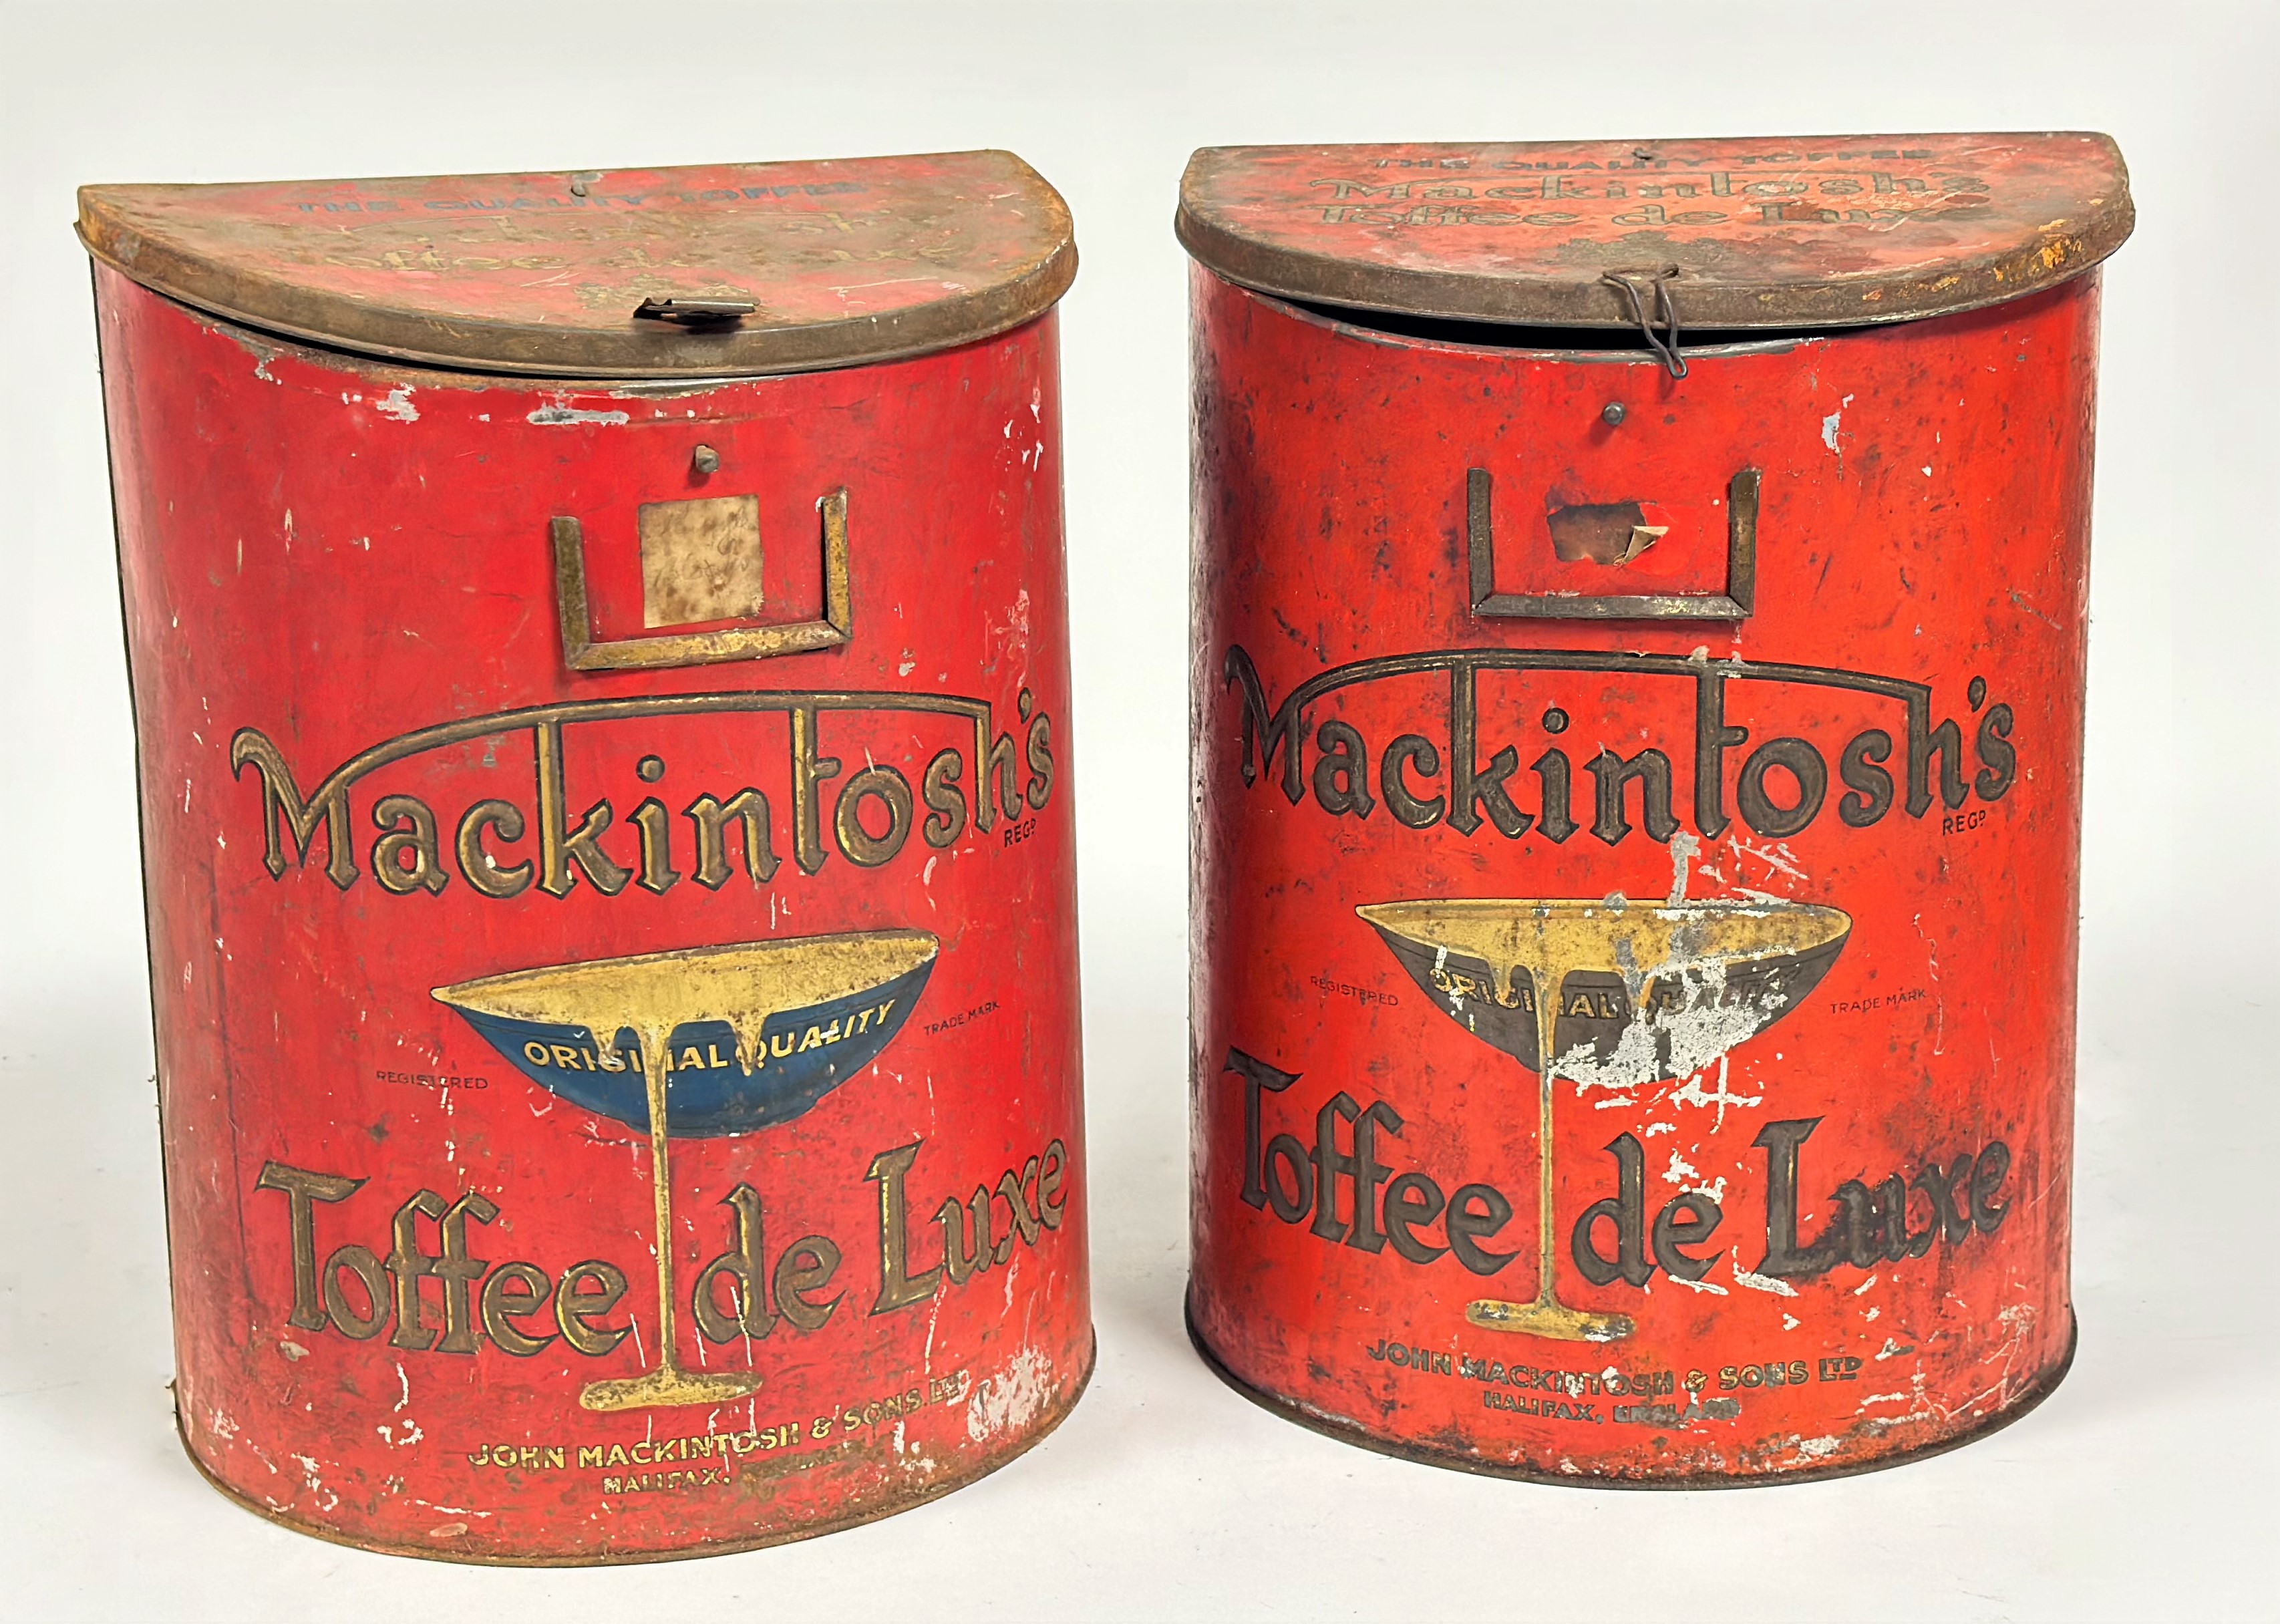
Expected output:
(1690, 1034)
(558, 415)
(1830, 424)
(1012, 1399)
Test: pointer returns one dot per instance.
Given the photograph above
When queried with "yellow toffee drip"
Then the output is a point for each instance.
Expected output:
(743, 985)
(1550, 939)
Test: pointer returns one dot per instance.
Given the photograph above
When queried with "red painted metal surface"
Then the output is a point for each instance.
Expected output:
(1795, 853)
(409, 875)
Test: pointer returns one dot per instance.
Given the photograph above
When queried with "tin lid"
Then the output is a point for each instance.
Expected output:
(1783, 232)
(713, 271)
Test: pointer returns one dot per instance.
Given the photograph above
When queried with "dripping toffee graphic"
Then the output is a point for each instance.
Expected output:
(780, 1023)
(1658, 993)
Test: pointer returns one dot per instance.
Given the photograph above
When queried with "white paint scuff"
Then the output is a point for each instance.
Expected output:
(1830, 424)
(1683, 848)
(1011, 1399)
(559, 416)
(1700, 1028)
(1761, 1283)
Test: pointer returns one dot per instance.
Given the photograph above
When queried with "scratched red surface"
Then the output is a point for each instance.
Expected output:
(336, 555)
(1923, 521)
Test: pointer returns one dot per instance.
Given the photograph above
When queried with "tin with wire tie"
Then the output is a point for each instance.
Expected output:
(1638, 677)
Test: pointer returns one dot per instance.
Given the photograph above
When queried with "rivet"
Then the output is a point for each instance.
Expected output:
(706, 460)
(1611, 413)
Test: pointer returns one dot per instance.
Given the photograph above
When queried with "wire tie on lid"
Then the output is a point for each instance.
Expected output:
(1665, 345)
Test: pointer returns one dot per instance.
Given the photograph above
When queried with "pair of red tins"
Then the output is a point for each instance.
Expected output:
(600, 662)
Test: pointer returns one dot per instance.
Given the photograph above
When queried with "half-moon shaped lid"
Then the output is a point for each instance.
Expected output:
(1762, 232)
(720, 270)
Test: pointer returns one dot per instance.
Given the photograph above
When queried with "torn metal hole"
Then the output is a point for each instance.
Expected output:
(1608, 533)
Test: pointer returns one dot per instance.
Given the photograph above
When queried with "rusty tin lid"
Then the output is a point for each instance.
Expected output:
(1782, 231)
(713, 271)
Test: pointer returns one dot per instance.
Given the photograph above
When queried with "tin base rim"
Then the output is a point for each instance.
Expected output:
(1346, 1432)
(629, 1559)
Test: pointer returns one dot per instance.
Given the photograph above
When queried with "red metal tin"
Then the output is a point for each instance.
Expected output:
(526, 759)
(1738, 711)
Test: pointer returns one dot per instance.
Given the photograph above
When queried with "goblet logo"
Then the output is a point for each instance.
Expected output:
(761, 1031)
(1609, 990)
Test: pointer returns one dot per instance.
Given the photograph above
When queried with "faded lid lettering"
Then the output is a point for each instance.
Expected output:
(1763, 232)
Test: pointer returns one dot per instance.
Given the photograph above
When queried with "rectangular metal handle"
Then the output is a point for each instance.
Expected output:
(582, 651)
(1736, 602)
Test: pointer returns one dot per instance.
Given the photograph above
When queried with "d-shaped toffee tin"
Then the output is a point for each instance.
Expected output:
(600, 667)
(1638, 696)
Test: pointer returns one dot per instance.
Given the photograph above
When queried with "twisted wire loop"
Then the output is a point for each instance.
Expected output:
(1664, 344)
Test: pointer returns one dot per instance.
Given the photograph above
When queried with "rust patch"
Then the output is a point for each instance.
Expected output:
(700, 560)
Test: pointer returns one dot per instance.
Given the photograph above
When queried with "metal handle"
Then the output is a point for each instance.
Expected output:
(1736, 602)
(695, 313)
(583, 651)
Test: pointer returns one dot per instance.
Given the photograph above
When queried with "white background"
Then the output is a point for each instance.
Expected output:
(2143, 1488)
